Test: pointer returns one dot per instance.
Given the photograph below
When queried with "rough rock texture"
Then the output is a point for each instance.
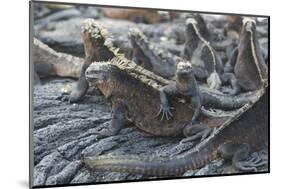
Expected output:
(63, 132)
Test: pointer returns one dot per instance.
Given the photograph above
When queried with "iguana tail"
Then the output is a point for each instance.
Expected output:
(146, 166)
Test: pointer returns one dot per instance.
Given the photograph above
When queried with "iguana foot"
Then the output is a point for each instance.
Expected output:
(79, 91)
(196, 131)
(165, 110)
(118, 120)
(240, 157)
(249, 165)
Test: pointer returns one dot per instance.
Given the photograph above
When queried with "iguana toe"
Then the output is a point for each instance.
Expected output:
(165, 111)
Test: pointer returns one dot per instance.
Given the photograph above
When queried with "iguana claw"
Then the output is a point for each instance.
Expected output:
(165, 110)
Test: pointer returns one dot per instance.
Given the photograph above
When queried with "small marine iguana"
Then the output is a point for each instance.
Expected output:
(250, 70)
(185, 85)
(241, 134)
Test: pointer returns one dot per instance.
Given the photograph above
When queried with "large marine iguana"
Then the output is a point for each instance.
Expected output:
(238, 131)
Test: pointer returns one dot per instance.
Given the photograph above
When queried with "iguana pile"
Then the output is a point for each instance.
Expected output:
(134, 93)
(138, 103)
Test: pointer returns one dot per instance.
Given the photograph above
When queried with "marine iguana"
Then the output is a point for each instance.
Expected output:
(48, 62)
(250, 70)
(205, 62)
(239, 135)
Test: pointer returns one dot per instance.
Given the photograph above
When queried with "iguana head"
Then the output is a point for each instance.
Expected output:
(184, 69)
(136, 35)
(249, 25)
(99, 72)
(191, 26)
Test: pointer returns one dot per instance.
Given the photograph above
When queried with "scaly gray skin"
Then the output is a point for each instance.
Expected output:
(247, 62)
(206, 64)
(247, 131)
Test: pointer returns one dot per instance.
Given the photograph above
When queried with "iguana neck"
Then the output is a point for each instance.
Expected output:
(183, 82)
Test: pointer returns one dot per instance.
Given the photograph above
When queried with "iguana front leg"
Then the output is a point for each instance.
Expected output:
(196, 100)
(118, 119)
(81, 87)
(165, 109)
(239, 154)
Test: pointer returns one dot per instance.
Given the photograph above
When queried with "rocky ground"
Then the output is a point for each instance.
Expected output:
(63, 132)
